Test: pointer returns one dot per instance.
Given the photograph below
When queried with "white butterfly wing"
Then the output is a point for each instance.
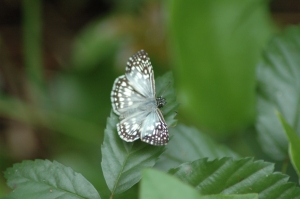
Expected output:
(129, 128)
(140, 74)
(124, 97)
(154, 130)
(133, 99)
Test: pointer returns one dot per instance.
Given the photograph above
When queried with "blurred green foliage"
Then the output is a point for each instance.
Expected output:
(213, 47)
(278, 74)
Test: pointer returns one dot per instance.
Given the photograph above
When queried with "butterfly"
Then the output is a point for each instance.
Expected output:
(134, 99)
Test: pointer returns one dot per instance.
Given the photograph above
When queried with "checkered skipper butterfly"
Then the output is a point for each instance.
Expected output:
(134, 99)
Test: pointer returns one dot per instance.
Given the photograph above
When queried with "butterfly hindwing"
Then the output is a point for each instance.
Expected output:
(129, 128)
(154, 129)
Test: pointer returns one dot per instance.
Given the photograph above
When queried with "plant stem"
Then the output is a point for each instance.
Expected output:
(285, 165)
(32, 37)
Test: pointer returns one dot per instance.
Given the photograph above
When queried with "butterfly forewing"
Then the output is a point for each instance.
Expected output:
(139, 73)
(124, 97)
(133, 99)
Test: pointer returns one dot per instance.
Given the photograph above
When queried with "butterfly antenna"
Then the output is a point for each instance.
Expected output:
(161, 101)
(168, 85)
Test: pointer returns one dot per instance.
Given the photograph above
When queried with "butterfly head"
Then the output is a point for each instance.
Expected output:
(160, 102)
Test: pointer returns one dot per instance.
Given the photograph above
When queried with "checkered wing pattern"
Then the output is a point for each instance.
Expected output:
(154, 130)
(133, 99)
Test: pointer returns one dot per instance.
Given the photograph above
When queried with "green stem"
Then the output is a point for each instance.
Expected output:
(32, 37)
(285, 165)
(57, 122)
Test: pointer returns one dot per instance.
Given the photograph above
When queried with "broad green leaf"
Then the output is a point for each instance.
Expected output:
(185, 147)
(228, 176)
(278, 77)
(235, 196)
(122, 161)
(159, 185)
(47, 180)
(294, 143)
(216, 46)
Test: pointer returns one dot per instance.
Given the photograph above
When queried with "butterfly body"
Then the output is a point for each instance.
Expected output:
(134, 100)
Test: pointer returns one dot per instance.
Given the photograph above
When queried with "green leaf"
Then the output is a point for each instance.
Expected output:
(228, 176)
(159, 185)
(216, 46)
(235, 196)
(185, 147)
(294, 143)
(122, 161)
(278, 89)
(47, 180)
